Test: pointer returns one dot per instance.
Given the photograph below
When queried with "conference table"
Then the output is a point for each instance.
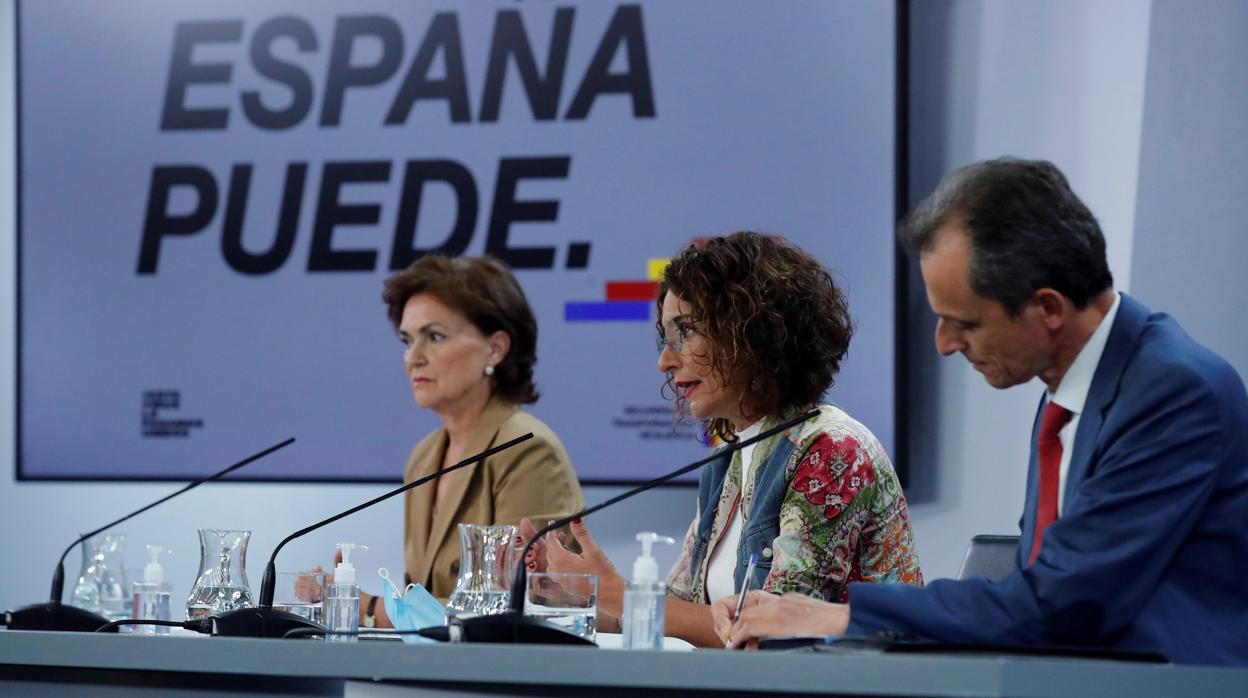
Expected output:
(61, 664)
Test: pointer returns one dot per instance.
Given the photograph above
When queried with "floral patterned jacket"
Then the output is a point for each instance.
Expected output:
(843, 517)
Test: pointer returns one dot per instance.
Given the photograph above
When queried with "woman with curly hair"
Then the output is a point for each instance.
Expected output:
(752, 331)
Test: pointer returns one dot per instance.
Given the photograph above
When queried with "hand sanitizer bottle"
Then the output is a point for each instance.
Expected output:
(644, 599)
(342, 599)
(152, 595)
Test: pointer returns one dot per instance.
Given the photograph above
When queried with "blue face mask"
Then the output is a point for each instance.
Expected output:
(412, 610)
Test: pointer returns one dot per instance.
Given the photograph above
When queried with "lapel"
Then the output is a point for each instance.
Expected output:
(1028, 527)
(427, 460)
(1128, 326)
(483, 437)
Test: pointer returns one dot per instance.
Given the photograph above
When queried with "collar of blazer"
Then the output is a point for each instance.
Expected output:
(1123, 336)
(430, 535)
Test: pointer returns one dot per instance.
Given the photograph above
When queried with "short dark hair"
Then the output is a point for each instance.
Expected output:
(484, 290)
(1027, 231)
(773, 316)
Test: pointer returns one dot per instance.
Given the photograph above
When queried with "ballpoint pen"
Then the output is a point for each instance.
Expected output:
(745, 587)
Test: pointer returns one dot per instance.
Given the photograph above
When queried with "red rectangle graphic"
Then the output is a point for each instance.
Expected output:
(632, 290)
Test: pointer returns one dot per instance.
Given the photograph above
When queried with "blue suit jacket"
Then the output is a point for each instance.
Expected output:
(1151, 549)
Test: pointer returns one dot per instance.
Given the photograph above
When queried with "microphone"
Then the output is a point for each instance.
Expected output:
(53, 615)
(264, 620)
(513, 627)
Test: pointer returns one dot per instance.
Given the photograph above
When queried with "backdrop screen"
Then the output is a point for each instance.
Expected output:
(211, 194)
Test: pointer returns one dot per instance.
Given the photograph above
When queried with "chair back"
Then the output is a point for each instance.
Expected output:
(988, 556)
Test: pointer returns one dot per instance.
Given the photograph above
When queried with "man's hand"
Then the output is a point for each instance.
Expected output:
(768, 615)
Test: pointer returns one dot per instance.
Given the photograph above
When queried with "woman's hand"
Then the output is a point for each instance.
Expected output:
(768, 615)
(554, 556)
(305, 587)
(536, 560)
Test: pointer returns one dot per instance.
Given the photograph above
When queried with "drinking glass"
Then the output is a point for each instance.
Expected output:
(565, 599)
(301, 593)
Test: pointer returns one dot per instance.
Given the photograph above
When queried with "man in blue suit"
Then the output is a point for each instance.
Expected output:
(1135, 529)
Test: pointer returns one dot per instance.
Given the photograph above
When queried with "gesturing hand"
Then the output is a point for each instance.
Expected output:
(535, 559)
(551, 554)
(591, 560)
(305, 586)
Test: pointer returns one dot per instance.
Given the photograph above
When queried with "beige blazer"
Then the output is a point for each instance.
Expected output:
(533, 479)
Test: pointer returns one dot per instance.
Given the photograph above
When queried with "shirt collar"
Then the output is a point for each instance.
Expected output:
(751, 431)
(1072, 392)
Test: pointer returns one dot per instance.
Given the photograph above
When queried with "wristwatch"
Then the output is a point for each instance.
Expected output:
(370, 620)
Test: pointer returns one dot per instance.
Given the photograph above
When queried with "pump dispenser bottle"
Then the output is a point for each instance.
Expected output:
(152, 595)
(645, 598)
(342, 599)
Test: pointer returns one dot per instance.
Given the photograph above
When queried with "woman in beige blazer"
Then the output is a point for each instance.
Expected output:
(470, 344)
(531, 480)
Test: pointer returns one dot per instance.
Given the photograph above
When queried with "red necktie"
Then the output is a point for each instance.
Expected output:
(1049, 458)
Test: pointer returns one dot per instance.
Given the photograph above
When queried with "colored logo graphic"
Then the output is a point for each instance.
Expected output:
(627, 301)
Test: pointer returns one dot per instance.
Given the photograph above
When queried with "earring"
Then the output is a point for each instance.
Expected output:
(489, 370)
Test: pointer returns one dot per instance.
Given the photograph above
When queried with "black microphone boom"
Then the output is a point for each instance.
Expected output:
(514, 626)
(53, 615)
(264, 620)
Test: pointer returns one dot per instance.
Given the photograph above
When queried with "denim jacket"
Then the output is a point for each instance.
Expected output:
(824, 508)
(763, 522)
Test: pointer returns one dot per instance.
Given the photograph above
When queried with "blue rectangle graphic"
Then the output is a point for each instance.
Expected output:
(612, 311)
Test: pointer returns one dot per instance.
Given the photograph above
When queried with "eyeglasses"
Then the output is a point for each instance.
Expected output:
(680, 332)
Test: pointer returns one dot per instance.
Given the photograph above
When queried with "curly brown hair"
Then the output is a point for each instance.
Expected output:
(484, 290)
(775, 321)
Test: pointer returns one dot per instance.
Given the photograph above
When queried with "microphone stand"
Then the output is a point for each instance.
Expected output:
(513, 627)
(264, 620)
(53, 615)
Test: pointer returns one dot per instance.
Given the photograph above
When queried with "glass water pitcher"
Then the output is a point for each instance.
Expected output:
(222, 582)
(485, 569)
(101, 586)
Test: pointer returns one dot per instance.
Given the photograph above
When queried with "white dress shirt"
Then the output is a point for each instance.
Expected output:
(723, 564)
(1072, 392)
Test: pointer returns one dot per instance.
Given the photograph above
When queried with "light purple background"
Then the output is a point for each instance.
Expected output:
(774, 118)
